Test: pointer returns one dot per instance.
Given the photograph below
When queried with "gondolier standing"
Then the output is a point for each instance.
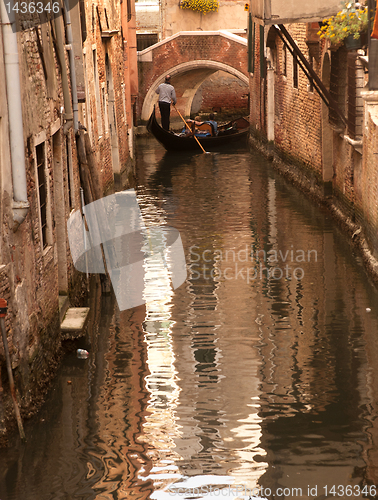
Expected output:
(167, 95)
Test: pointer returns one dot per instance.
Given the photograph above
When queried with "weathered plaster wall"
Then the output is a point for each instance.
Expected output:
(230, 16)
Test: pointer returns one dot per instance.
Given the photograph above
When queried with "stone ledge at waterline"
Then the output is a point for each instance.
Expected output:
(74, 322)
(307, 182)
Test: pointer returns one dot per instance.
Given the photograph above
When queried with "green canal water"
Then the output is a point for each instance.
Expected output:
(257, 377)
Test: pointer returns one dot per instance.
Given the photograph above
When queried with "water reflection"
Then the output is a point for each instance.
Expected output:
(259, 372)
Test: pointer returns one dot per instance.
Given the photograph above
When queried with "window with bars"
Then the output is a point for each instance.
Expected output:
(145, 40)
(42, 191)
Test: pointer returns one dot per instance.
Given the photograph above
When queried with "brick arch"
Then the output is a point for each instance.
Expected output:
(207, 67)
(189, 57)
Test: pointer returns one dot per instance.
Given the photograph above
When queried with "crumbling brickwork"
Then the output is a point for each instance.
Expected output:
(35, 259)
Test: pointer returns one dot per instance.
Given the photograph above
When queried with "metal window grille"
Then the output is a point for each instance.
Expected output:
(145, 40)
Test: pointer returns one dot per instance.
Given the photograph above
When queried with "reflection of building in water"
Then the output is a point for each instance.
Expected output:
(310, 372)
(266, 368)
(119, 409)
(218, 377)
(160, 427)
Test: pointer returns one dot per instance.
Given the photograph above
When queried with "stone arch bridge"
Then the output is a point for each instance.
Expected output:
(189, 57)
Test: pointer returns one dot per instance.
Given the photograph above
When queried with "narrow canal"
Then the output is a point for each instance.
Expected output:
(258, 377)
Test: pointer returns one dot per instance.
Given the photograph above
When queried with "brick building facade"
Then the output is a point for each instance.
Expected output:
(328, 150)
(51, 132)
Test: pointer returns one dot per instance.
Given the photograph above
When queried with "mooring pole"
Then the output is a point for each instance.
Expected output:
(3, 312)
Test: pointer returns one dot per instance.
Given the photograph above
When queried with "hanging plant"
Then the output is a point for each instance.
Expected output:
(351, 20)
(203, 6)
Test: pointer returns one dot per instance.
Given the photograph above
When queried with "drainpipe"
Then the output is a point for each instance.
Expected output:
(16, 130)
(68, 116)
(71, 54)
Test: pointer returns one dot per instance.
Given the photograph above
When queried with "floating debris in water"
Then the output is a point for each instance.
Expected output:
(82, 354)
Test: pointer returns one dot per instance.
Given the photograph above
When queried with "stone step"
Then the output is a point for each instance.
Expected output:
(74, 322)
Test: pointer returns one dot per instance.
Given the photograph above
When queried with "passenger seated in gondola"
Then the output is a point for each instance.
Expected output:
(213, 123)
(190, 129)
(206, 128)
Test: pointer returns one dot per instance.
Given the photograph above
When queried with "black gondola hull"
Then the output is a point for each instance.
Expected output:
(174, 142)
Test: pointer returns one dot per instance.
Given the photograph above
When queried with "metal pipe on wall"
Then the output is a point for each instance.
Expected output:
(71, 54)
(68, 116)
(16, 130)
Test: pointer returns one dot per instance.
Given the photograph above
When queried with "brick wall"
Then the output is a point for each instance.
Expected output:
(112, 49)
(305, 130)
(366, 182)
(297, 111)
(223, 92)
(28, 269)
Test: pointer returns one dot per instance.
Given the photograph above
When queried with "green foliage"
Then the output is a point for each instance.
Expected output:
(351, 20)
(203, 6)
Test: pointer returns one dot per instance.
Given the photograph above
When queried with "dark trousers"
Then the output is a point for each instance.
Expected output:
(165, 111)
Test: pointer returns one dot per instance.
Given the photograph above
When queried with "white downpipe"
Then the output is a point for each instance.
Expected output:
(16, 130)
(69, 47)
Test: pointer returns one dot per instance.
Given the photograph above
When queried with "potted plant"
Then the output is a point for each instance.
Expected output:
(203, 6)
(347, 26)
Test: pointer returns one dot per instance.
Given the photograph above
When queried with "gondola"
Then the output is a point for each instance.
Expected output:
(232, 132)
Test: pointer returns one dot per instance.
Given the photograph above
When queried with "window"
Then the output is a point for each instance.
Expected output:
(355, 84)
(311, 82)
(338, 84)
(42, 192)
(295, 72)
(145, 40)
(97, 92)
(93, 17)
(105, 107)
(284, 60)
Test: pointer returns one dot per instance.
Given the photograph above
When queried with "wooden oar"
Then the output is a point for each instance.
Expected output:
(187, 126)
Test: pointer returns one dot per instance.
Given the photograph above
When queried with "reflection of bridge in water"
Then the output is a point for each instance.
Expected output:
(189, 57)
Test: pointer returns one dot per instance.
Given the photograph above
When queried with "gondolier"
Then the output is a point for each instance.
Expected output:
(167, 95)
